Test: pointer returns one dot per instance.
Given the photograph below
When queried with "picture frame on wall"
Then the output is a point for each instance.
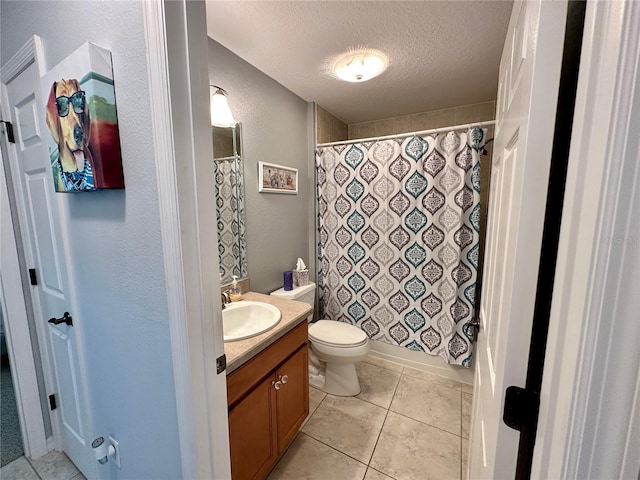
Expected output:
(274, 178)
(82, 119)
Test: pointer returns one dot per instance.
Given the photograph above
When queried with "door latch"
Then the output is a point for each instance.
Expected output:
(520, 405)
(474, 327)
(221, 364)
(66, 318)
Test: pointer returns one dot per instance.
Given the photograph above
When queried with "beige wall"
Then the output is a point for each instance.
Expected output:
(329, 127)
(448, 117)
(271, 116)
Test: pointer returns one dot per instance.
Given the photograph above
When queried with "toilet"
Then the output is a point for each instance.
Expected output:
(334, 348)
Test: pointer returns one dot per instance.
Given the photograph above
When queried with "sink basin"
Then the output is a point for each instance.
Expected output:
(247, 319)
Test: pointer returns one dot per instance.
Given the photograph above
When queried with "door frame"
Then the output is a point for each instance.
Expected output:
(177, 57)
(577, 418)
(21, 353)
(566, 386)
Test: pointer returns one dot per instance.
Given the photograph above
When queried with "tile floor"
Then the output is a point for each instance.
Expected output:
(53, 466)
(405, 424)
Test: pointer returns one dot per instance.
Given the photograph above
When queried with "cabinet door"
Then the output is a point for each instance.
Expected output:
(252, 433)
(293, 396)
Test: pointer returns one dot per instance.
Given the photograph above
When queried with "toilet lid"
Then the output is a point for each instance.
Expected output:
(338, 334)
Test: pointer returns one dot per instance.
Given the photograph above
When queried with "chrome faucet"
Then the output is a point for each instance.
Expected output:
(225, 298)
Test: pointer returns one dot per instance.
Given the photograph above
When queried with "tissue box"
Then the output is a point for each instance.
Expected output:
(301, 278)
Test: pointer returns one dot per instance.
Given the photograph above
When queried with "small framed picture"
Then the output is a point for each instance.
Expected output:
(277, 178)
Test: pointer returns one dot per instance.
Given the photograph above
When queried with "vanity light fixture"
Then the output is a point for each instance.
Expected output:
(221, 115)
(358, 64)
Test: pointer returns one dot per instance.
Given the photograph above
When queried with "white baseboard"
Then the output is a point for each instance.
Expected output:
(421, 361)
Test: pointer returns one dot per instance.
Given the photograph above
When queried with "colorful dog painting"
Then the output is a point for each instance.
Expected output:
(84, 150)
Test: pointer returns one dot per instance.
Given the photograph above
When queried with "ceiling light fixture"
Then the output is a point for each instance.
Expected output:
(358, 64)
(221, 115)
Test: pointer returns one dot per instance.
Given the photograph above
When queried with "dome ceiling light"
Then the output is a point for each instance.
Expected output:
(358, 64)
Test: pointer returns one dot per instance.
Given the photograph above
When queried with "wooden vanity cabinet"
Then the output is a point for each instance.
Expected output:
(251, 433)
(268, 401)
(292, 400)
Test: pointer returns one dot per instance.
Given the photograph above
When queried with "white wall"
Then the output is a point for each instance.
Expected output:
(274, 130)
(115, 237)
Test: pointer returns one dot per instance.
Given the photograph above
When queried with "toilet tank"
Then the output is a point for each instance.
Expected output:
(305, 293)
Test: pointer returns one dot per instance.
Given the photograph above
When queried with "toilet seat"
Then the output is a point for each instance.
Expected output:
(336, 334)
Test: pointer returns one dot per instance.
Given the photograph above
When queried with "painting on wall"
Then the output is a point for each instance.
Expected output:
(84, 143)
(277, 178)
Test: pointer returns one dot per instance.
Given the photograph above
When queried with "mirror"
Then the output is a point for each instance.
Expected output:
(229, 191)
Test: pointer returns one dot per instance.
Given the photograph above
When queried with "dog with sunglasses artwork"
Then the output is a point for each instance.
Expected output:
(69, 122)
(84, 146)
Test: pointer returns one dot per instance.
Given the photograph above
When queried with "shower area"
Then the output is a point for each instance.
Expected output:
(401, 235)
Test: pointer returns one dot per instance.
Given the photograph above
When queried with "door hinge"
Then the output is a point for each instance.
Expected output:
(32, 276)
(520, 406)
(10, 137)
(221, 364)
(52, 402)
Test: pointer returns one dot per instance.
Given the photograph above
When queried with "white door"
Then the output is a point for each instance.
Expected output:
(44, 249)
(525, 115)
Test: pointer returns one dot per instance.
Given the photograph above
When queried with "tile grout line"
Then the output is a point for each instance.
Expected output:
(404, 368)
(385, 368)
(378, 471)
(326, 444)
(460, 458)
(384, 421)
(371, 403)
(375, 404)
(400, 376)
(308, 419)
(460, 392)
(33, 468)
(461, 407)
(334, 448)
(435, 382)
(340, 451)
(424, 423)
(462, 413)
(319, 403)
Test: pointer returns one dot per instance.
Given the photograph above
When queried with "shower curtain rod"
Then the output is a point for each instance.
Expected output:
(411, 134)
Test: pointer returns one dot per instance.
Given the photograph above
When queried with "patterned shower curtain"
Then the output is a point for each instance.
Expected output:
(230, 217)
(398, 239)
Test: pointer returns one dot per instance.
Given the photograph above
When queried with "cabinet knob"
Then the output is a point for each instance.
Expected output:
(283, 378)
(277, 384)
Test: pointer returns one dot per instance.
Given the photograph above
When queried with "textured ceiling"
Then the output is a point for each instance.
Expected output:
(442, 54)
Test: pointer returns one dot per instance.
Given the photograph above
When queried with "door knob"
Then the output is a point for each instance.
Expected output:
(283, 378)
(277, 384)
(66, 318)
